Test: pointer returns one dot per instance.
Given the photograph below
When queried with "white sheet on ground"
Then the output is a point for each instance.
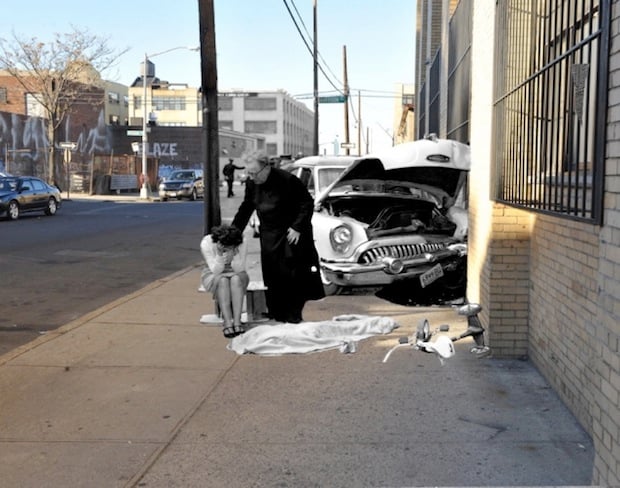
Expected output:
(340, 332)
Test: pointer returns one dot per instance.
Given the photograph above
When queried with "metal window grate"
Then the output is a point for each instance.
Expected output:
(551, 82)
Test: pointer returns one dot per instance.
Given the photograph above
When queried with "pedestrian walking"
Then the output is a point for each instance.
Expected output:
(225, 276)
(229, 175)
(289, 260)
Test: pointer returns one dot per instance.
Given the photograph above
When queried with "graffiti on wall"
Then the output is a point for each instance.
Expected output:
(24, 142)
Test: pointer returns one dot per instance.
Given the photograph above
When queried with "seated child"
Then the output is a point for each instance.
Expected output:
(227, 279)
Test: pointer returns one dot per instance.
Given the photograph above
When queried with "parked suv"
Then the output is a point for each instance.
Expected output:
(183, 183)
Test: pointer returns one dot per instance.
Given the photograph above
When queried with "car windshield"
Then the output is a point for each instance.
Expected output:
(327, 176)
(182, 175)
(8, 185)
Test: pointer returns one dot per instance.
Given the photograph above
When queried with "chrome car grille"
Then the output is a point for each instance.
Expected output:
(399, 251)
(173, 186)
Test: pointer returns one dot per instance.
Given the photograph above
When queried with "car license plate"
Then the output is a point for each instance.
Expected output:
(431, 275)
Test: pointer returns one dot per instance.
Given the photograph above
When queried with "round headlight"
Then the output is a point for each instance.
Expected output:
(340, 238)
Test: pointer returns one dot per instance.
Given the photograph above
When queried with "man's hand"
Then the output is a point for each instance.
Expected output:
(292, 236)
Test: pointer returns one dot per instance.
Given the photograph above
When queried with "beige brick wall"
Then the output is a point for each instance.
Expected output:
(605, 316)
(563, 304)
(550, 287)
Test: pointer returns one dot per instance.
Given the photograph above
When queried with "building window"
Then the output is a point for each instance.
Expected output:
(225, 124)
(225, 103)
(114, 97)
(271, 149)
(408, 99)
(260, 103)
(550, 106)
(3, 95)
(137, 102)
(168, 103)
(34, 108)
(114, 120)
(261, 127)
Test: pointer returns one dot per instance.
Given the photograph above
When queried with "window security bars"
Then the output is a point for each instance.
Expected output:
(550, 113)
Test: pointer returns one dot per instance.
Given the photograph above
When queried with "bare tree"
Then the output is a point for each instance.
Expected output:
(57, 74)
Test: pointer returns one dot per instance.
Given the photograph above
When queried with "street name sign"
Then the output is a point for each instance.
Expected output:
(332, 99)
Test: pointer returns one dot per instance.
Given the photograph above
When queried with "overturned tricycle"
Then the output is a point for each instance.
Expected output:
(443, 345)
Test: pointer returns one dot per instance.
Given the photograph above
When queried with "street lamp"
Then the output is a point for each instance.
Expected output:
(144, 188)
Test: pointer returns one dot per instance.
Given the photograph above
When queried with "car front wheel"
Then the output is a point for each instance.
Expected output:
(13, 212)
(194, 195)
(52, 207)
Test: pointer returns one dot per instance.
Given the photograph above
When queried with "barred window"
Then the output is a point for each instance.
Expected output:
(551, 87)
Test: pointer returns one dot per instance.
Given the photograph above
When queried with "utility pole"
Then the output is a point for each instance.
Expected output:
(210, 133)
(315, 144)
(346, 101)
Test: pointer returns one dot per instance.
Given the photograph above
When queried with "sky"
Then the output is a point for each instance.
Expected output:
(258, 48)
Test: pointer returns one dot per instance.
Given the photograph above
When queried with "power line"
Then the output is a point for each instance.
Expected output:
(318, 53)
(309, 49)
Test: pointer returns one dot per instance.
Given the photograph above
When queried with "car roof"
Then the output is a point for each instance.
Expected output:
(423, 161)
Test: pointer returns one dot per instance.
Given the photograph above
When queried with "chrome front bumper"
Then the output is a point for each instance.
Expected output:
(389, 269)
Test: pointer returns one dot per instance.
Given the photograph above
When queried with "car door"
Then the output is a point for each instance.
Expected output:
(25, 194)
(39, 194)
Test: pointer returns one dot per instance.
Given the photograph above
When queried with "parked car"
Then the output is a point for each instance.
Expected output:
(184, 183)
(396, 215)
(316, 173)
(23, 194)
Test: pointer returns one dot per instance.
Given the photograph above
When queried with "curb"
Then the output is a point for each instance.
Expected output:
(84, 319)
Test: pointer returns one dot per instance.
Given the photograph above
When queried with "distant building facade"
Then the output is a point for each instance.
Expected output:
(286, 124)
(167, 104)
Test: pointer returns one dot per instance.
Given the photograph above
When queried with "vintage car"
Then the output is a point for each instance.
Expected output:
(396, 215)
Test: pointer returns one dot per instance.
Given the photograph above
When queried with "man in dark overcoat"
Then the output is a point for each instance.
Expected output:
(289, 260)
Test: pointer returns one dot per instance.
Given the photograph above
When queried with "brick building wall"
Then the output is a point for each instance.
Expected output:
(605, 315)
(574, 321)
(14, 99)
(550, 286)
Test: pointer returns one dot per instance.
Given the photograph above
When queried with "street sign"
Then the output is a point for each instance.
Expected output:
(134, 133)
(332, 99)
(347, 145)
(68, 145)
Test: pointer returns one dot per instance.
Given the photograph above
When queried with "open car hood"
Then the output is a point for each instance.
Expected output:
(430, 163)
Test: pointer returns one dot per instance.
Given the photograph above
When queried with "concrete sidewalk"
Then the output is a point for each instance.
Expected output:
(139, 393)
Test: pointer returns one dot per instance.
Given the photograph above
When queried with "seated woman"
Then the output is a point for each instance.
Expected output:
(227, 279)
